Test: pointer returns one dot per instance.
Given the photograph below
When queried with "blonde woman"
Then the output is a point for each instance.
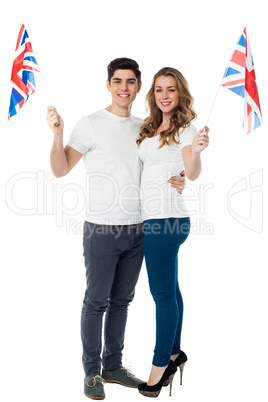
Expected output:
(168, 142)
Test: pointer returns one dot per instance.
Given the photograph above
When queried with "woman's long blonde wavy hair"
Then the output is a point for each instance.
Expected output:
(183, 114)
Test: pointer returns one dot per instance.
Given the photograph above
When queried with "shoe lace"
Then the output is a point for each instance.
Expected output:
(128, 371)
(94, 380)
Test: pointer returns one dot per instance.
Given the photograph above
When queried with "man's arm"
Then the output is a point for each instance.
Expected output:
(62, 159)
(178, 182)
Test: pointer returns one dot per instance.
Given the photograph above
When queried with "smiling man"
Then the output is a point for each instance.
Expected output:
(124, 86)
(113, 229)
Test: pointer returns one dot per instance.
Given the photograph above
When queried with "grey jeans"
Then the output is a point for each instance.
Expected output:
(113, 257)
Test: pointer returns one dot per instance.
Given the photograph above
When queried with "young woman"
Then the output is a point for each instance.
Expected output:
(167, 142)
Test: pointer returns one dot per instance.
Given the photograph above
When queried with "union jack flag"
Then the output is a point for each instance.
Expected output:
(240, 78)
(22, 76)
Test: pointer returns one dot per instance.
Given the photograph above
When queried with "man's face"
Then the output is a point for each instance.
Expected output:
(123, 87)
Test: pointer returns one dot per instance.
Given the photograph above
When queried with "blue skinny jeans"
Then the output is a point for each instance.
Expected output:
(162, 240)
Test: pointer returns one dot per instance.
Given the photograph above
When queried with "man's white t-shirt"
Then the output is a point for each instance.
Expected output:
(108, 143)
(158, 198)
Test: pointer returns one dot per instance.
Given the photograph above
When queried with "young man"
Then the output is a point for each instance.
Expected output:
(113, 230)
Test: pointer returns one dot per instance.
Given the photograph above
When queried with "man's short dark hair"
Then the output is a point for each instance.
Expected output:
(124, 63)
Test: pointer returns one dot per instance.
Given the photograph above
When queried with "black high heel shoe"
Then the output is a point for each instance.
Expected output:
(154, 390)
(180, 362)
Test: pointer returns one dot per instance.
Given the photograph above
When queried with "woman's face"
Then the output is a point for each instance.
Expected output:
(166, 94)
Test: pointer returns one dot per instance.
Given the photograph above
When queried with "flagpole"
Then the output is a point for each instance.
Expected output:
(213, 103)
(214, 100)
(48, 97)
(47, 94)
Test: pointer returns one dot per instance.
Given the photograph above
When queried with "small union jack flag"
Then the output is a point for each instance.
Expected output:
(240, 78)
(22, 76)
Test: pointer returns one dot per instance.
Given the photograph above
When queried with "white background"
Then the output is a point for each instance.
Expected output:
(222, 265)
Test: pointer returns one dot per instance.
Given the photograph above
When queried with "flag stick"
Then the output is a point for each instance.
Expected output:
(215, 98)
(213, 103)
(48, 98)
